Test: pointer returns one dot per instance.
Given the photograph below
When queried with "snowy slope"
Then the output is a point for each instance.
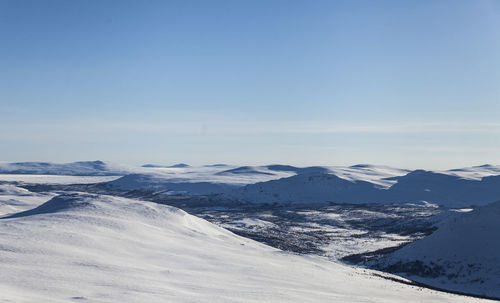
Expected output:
(309, 188)
(380, 175)
(14, 199)
(445, 189)
(474, 172)
(463, 254)
(108, 249)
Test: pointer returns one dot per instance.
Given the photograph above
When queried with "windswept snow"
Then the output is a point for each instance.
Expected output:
(474, 172)
(109, 249)
(383, 176)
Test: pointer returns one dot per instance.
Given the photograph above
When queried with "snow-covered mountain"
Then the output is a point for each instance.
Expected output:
(161, 177)
(84, 168)
(445, 189)
(309, 188)
(178, 165)
(108, 249)
(462, 255)
(271, 184)
(417, 186)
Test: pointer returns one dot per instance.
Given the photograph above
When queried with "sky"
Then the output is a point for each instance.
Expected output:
(413, 84)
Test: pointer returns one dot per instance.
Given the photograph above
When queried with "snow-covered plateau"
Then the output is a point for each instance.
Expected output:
(104, 232)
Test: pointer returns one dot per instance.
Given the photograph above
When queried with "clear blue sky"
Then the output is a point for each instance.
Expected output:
(403, 83)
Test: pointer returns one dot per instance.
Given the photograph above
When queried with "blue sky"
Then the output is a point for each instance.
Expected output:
(404, 83)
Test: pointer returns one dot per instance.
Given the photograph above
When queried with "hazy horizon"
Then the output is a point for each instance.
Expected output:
(405, 84)
(173, 164)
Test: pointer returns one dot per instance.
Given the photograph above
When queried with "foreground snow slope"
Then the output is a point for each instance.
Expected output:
(108, 249)
(463, 254)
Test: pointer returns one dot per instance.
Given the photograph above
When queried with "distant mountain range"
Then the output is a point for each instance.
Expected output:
(84, 168)
(270, 184)
(414, 187)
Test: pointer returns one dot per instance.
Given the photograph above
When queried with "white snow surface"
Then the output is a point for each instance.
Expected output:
(55, 179)
(465, 250)
(108, 249)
